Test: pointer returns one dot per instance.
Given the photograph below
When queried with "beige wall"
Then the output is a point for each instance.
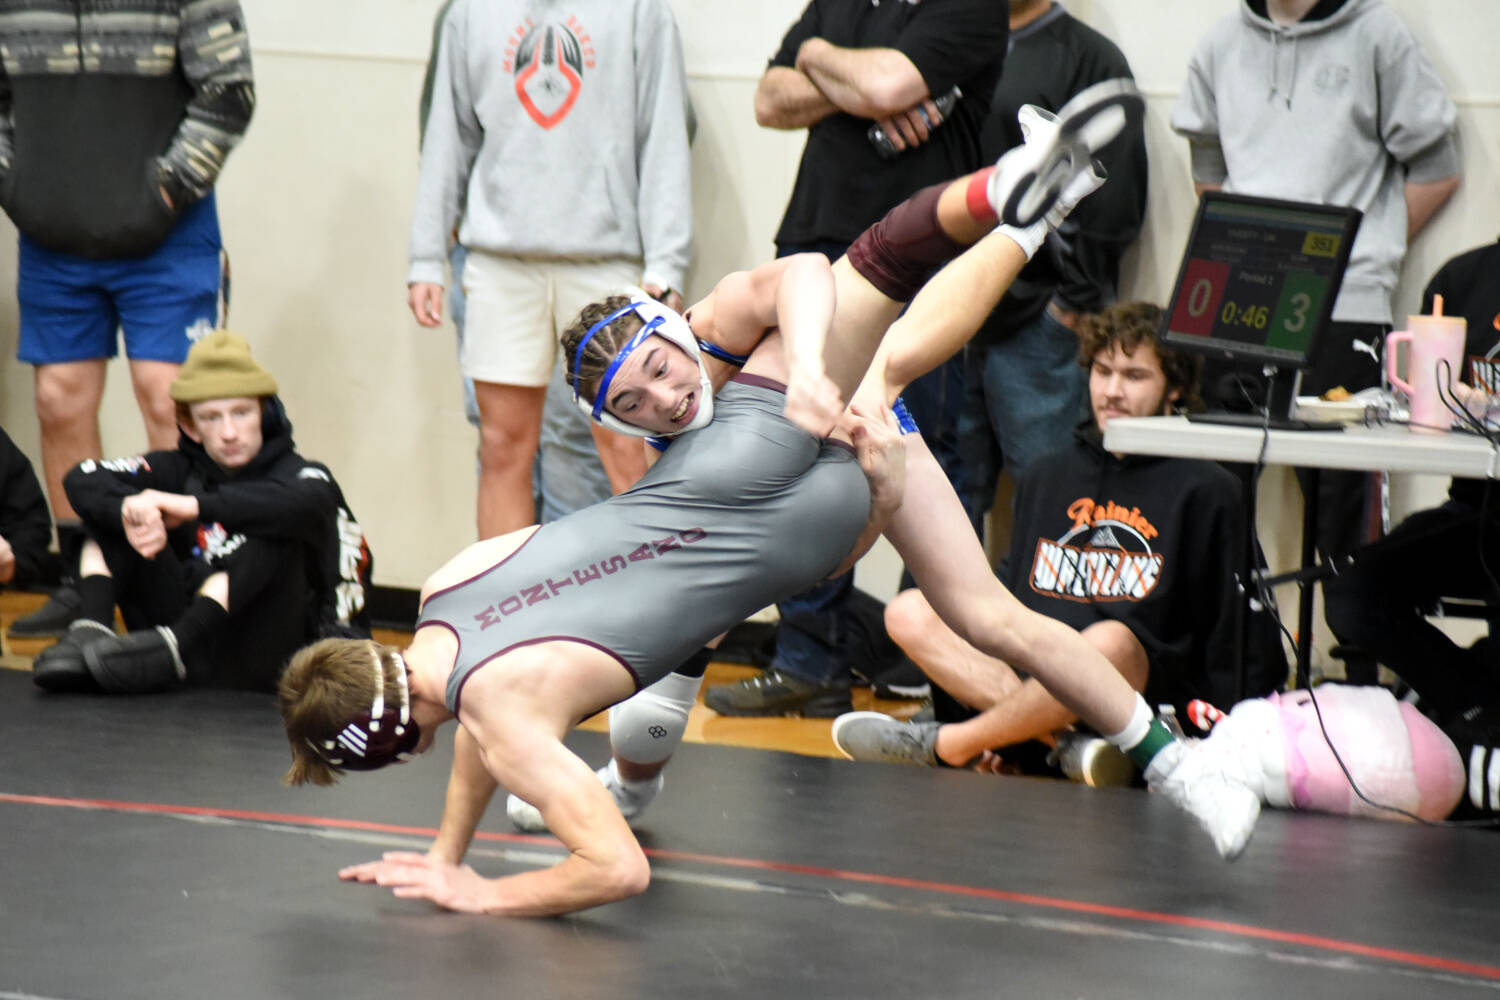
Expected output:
(316, 202)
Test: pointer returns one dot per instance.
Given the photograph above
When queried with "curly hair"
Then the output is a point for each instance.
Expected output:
(583, 374)
(1130, 324)
(324, 686)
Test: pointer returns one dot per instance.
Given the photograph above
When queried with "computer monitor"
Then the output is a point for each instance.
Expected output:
(1257, 284)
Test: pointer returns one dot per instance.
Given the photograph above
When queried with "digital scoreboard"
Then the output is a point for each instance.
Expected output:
(1259, 278)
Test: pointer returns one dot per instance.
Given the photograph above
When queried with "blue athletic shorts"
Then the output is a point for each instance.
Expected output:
(71, 306)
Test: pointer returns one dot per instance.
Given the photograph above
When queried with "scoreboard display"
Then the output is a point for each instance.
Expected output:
(1259, 278)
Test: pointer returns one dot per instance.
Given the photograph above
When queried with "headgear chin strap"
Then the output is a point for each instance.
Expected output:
(379, 736)
(663, 322)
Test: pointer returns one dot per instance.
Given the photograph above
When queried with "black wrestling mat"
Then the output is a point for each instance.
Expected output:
(150, 852)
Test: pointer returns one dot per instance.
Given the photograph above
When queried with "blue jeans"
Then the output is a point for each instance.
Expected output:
(1023, 397)
(567, 474)
(456, 258)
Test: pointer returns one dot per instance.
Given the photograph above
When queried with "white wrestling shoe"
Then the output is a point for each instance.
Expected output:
(1030, 180)
(1208, 781)
(631, 801)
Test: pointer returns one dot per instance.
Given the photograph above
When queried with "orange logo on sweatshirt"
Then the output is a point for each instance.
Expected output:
(1105, 556)
(1086, 513)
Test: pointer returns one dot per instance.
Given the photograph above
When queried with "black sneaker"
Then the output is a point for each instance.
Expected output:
(136, 663)
(60, 667)
(901, 680)
(62, 609)
(1476, 733)
(775, 693)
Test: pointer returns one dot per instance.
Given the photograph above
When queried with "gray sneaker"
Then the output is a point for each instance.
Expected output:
(874, 736)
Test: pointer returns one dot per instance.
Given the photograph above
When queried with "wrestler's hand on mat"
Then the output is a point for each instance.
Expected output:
(425, 300)
(410, 875)
(882, 455)
(812, 401)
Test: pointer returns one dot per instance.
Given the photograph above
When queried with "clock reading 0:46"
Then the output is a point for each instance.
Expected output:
(1254, 316)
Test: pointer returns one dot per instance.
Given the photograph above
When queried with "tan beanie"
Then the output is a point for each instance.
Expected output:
(220, 367)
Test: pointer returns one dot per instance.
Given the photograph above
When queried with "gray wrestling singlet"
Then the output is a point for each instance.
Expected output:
(731, 518)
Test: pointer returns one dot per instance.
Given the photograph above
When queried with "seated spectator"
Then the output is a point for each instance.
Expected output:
(1139, 553)
(25, 524)
(224, 555)
(1380, 603)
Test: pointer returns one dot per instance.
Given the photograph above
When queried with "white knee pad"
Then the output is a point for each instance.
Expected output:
(647, 728)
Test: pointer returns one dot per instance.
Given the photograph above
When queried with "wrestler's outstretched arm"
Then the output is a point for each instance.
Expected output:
(470, 788)
(520, 744)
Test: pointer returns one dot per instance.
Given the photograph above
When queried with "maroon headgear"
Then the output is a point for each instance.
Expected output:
(376, 737)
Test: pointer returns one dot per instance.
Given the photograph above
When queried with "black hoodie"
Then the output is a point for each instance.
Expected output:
(278, 494)
(1151, 542)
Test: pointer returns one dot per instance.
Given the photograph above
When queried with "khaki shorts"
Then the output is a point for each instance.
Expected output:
(518, 306)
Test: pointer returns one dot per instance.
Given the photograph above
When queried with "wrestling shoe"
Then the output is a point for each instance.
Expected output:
(631, 800)
(60, 667)
(62, 609)
(137, 662)
(772, 692)
(1031, 179)
(1205, 780)
(873, 736)
(1092, 760)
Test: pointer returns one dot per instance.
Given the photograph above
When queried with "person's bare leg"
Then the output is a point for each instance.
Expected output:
(67, 409)
(152, 382)
(510, 425)
(91, 560)
(1011, 709)
(865, 313)
(932, 534)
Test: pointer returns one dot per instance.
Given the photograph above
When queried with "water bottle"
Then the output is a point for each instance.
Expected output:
(882, 142)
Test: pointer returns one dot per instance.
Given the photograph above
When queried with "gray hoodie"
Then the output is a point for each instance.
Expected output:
(1343, 110)
(557, 129)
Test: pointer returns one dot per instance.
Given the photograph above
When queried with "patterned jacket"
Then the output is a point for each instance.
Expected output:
(105, 105)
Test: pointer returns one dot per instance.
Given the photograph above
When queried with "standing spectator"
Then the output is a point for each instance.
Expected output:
(558, 147)
(1024, 388)
(25, 525)
(456, 252)
(224, 554)
(1329, 101)
(115, 119)
(845, 66)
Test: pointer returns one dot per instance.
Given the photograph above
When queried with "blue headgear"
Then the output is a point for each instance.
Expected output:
(379, 736)
(663, 322)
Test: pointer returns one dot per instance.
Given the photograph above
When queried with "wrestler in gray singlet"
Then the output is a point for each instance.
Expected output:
(732, 518)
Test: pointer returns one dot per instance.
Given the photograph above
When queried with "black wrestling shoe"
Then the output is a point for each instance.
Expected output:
(136, 663)
(61, 667)
(62, 609)
(775, 693)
